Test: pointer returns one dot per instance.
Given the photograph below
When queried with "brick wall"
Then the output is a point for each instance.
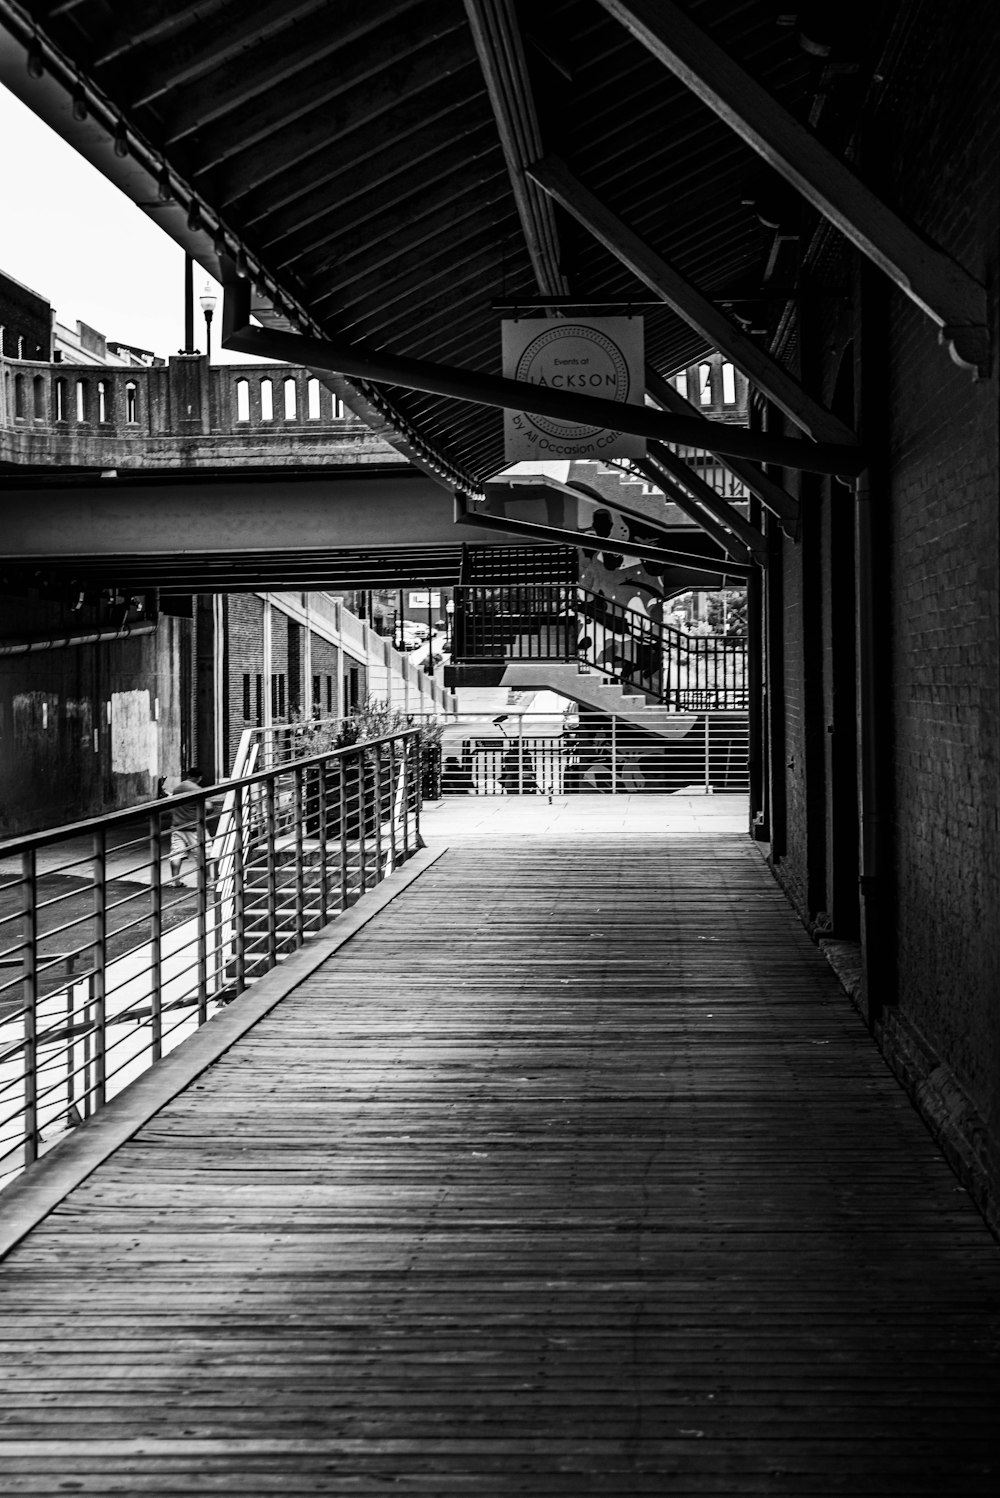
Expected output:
(245, 679)
(930, 145)
(943, 492)
(325, 672)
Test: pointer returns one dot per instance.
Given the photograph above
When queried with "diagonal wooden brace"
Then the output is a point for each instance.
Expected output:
(951, 297)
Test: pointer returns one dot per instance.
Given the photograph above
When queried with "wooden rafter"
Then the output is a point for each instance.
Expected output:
(696, 562)
(364, 362)
(497, 39)
(662, 278)
(706, 522)
(770, 493)
(703, 494)
(946, 292)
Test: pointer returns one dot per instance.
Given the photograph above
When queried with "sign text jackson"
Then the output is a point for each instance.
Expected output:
(602, 357)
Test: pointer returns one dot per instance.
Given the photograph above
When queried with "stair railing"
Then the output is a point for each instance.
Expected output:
(566, 622)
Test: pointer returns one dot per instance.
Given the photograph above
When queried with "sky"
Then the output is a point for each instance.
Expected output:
(86, 248)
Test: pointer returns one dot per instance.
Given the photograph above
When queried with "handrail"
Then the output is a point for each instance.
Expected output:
(107, 962)
(569, 623)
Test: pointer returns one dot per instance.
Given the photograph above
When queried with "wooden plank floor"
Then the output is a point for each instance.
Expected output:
(573, 1173)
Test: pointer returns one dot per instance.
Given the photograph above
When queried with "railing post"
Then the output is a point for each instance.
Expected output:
(239, 890)
(29, 990)
(344, 812)
(520, 755)
(416, 794)
(201, 885)
(378, 812)
(392, 802)
(614, 753)
(323, 839)
(100, 968)
(156, 935)
(362, 818)
(300, 877)
(406, 798)
(271, 913)
(708, 783)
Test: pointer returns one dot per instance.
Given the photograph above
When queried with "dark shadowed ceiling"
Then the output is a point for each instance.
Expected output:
(348, 157)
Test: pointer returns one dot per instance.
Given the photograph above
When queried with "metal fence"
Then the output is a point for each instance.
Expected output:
(696, 753)
(107, 962)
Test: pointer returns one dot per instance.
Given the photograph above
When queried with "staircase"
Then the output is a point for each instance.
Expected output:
(590, 689)
(569, 639)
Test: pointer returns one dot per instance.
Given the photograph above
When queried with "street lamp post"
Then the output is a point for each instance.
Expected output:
(209, 302)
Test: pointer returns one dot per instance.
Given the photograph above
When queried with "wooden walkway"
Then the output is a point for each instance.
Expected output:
(573, 1173)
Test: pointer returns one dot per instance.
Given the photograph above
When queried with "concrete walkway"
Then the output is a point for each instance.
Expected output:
(581, 816)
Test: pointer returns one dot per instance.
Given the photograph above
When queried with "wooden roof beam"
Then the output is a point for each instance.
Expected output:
(663, 460)
(706, 522)
(364, 362)
(771, 494)
(947, 293)
(497, 39)
(529, 487)
(698, 311)
(696, 561)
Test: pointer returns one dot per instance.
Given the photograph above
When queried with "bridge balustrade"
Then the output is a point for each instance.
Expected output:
(73, 401)
(106, 963)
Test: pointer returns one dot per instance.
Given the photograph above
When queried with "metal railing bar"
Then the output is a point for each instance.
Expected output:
(255, 910)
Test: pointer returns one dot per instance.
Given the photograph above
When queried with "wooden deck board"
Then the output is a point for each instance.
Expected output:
(574, 1172)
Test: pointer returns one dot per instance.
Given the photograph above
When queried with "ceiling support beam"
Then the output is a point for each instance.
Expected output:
(946, 292)
(695, 562)
(660, 276)
(361, 362)
(497, 39)
(520, 489)
(661, 457)
(708, 523)
(771, 494)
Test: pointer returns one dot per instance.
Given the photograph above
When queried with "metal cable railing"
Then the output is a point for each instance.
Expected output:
(598, 753)
(565, 622)
(108, 961)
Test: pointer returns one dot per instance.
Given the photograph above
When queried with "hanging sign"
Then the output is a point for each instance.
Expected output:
(601, 357)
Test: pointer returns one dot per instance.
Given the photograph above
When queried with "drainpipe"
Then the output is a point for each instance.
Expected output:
(99, 637)
(870, 343)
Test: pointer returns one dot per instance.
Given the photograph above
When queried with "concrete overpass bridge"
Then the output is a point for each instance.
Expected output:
(192, 477)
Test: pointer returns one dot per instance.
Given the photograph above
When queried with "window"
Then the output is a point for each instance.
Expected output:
(242, 400)
(259, 684)
(39, 397)
(339, 409)
(681, 385)
(317, 696)
(329, 695)
(81, 400)
(102, 401)
(246, 696)
(312, 400)
(728, 385)
(705, 384)
(278, 695)
(19, 407)
(290, 399)
(266, 401)
(131, 401)
(60, 394)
